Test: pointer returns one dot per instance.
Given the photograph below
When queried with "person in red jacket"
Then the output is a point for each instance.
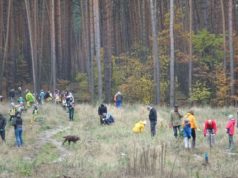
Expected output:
(210, 130)
(230, 130)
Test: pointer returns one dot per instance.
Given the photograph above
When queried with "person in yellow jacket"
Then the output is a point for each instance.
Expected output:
(12, 111)
(193, 123)
(139, 127)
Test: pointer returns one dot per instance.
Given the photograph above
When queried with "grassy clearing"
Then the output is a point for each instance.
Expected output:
(114, 151)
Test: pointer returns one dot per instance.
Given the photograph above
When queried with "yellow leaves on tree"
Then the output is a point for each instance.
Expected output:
(138, 89)
(222, 88)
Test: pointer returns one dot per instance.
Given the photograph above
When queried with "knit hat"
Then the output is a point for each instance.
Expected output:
(230, 116)
(186, 121)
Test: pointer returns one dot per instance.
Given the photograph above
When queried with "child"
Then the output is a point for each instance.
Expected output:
(34, 113)
(12, 111)
(139, 127)
(187, 134)
(107, 119)
(230, 130)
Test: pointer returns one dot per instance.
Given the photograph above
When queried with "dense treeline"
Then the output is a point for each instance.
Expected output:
(156, 51)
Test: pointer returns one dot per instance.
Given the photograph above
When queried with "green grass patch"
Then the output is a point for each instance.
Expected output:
(24, 167)
(47, 154)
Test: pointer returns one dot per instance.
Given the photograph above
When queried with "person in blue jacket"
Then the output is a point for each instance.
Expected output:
(187, 132)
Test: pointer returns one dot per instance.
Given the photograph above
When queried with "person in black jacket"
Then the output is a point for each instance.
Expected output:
(101, 110)
(153, 120)
(3, 123)
(17, 123)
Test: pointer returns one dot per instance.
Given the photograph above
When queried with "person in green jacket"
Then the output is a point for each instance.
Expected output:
(175, 121)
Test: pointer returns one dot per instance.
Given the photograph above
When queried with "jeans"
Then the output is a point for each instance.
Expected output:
(2, 134)
(176, 130)
(194, 138)
(71, 113)
(42, 101)
(153, 128)
(18, 135)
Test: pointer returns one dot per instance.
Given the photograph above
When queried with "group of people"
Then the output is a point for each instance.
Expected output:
(28, 100)
(187, 126)
(65, 98)
(183, 125)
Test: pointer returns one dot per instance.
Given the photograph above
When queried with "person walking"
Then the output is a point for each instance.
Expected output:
(210, 130)
(19, 91)
(193, 123)
(101, 110)
(17, 123)
(3, 123)
(230, 130)
(30, 98)
(187, 132)
(175, 121)
(42, 96)
(34, 114)
(153, 119)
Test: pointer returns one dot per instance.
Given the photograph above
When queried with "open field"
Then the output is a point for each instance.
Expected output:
(113, 151)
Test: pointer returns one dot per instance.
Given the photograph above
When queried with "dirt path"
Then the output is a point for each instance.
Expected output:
(47, 137)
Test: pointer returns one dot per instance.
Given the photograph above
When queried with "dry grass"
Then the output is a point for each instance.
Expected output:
(113, 151)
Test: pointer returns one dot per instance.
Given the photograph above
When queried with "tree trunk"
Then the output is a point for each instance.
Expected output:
(6, 44)
(224, 34)
(97, 46)
(231, 47)
(31, 42)
(36, 39)
(108, 50)
(59, 37)
(53, 55)
(91, 48)
(190, 67)
(1, 31)
(171, 30)
(155, 51)
(41, 45)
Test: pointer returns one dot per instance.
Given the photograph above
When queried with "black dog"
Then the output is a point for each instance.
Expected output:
(71, 138)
